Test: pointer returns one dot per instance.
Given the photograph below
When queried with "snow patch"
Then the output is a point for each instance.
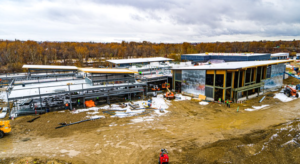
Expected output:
(95, 117)
(203, 103)
(92, 112)
(95, 109)
(273, 136)
(256, 108)
(282, 97)
(180, 97)
(290, 142)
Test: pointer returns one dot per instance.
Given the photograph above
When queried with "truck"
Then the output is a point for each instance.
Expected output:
(4, 128)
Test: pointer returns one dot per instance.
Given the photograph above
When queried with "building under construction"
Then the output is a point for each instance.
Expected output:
(229, 81)
(97, 84)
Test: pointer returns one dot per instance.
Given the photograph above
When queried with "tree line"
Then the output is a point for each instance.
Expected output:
(13, 54)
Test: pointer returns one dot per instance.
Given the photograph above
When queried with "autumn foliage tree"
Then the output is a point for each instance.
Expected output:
(13, 54)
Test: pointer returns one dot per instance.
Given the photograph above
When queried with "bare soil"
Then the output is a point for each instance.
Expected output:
(192, 133)
(291, 80)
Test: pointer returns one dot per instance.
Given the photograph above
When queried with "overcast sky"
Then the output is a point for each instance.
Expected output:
(151, 20)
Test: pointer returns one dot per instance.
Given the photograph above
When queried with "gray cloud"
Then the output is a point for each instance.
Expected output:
(152, 20)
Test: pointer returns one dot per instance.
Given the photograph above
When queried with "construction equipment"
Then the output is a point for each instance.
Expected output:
(290, 91)
(163, 157)
(169, 95)
(4, 128)
(155, 88)
(90, 103)
(165, 85)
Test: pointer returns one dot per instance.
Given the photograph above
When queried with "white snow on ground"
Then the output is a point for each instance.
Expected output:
(159, 103)
(3, 96)
(203, 103)
(92, 112)
(259, 107)
(113, 124)
(273, 136)
(180, 97)
(290, 142)
(256, 108)
(128, 114)
(95, 116)
(282, 97)
(95, 109)
(2, 114)
(142, 119)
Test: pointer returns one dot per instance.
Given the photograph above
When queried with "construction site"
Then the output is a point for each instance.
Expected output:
(211, 110)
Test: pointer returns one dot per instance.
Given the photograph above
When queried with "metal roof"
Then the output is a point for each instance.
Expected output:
(280, 54)
(56, 67)
(234, 65)
(106, 70)
(228, 54)
(138, 60)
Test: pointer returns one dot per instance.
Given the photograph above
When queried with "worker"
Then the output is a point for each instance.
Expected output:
(219, 100)
(228, 104)
(67, 106)
(78, 101)
(163, 151)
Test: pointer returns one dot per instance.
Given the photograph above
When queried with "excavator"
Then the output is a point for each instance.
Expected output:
(290, 91)
(4, 128)
(169, 95)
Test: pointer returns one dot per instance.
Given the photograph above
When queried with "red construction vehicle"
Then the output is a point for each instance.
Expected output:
(163, 157)
(290, 91)
(169, 95)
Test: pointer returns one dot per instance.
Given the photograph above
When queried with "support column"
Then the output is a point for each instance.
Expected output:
(261, 72)
(108, 99)
(40, 99)
(214, 85)
(254, 77)
(70, 98)
(238, 84)
(243, 79)
(8, 106)
(232, 85)
(224, 86)
(84, 102)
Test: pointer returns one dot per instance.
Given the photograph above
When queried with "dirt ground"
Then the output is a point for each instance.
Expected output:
(291, 80)
(191, 133)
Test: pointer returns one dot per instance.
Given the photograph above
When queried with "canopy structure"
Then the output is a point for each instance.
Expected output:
(106, 71)
(50, 67)
(234, 65)
(139, 60)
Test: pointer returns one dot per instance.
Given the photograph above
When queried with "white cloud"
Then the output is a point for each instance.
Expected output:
(155, 20)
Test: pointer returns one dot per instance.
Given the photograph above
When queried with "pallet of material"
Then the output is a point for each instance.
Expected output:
(200, 98)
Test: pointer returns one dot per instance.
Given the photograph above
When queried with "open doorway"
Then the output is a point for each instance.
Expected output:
(218, 94)
(178, 86)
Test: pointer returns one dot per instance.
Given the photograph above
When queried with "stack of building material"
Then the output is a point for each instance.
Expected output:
(200, 98)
